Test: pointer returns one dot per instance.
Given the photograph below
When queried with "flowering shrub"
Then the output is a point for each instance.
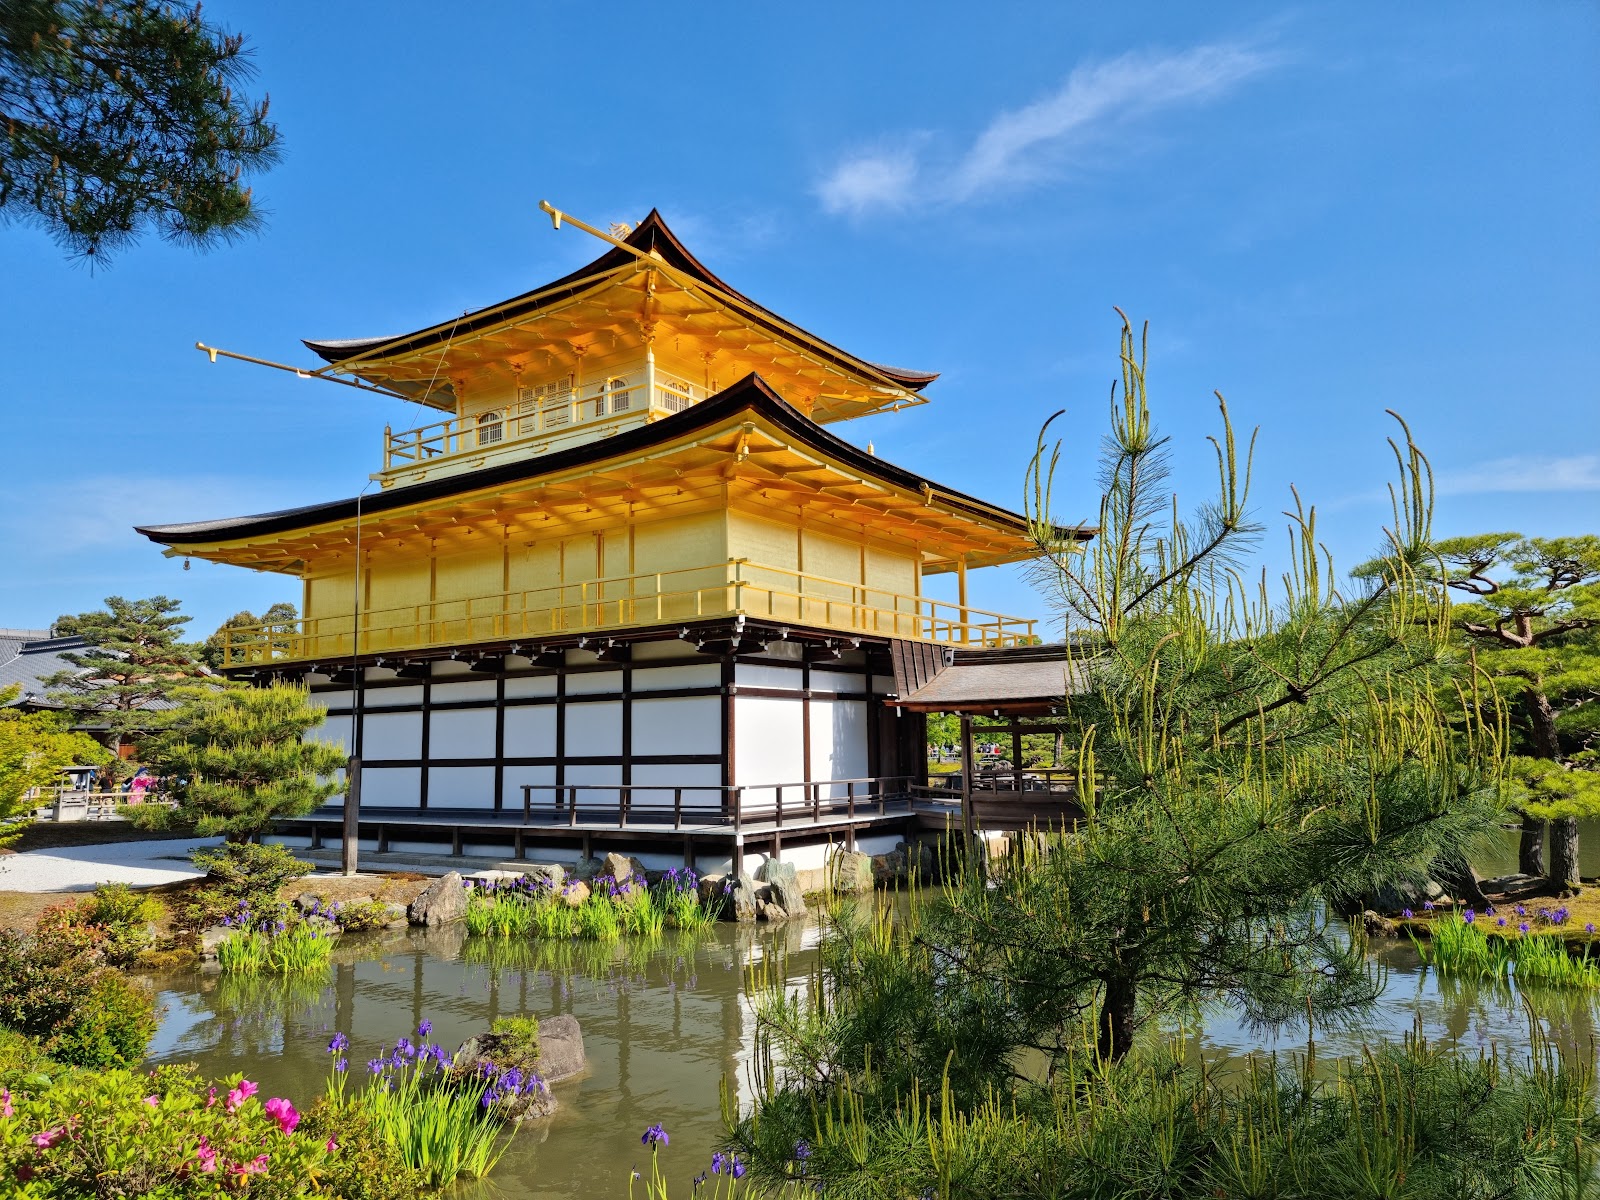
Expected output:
(242, 872)
(116, 921)
(81, 1012)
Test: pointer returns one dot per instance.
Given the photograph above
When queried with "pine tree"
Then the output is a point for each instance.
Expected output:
(236, 759)
(1532, 624)
(121, 115)
(128, 676)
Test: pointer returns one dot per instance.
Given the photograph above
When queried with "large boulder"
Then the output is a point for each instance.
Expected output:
(850, 872)
(767, 910)
(741, 899)
(618, 866)
(780, 877)
(547, 875)
(1402, 894)
(212, 938)
(574, 893)
(440, 903)
(560, 1048)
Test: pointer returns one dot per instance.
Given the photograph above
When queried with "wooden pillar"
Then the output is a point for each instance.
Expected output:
(968, 825)
(961, 595)
(352, 816)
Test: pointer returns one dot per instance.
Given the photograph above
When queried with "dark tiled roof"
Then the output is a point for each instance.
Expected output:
(981, 681)
(34, 662)
(751, 392)
(652, 234)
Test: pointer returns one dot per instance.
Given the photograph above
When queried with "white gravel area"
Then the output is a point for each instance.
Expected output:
(81, 868)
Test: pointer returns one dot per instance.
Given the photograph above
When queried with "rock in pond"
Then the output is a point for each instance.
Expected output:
(440, 903)
(850, 871)
(785, 887)
(560, 1056)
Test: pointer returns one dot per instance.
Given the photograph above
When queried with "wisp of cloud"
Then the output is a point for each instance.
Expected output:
(1027, 144)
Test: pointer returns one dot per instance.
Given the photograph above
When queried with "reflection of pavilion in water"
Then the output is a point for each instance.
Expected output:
(670, 1021)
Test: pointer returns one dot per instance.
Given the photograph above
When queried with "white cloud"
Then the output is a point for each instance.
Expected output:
(1524, 473)
(1031, 143)
(870, 180)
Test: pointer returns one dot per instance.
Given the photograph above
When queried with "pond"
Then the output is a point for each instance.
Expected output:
(664, 1026)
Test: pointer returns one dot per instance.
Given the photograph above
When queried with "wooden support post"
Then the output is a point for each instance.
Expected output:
(455, 841)
(688, 852)
(587, 846)
(961, 594)
(968, 825)
(352, 817)
(519, 846)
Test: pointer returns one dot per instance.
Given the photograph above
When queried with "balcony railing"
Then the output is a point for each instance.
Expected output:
(730, 588)
(545, 414)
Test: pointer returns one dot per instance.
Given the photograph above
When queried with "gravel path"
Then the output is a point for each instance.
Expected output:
(80, 868)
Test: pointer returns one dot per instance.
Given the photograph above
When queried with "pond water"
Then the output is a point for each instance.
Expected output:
(664, 1026)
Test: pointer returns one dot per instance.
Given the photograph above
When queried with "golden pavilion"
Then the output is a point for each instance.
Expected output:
(624, 583)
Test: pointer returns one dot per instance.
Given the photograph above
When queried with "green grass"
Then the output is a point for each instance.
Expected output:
(499, 914)
(296, 949)
(1460, 947)
(608, 913)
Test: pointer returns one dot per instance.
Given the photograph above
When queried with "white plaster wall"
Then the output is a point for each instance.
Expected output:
(391, 697)
(461, 733)
(594, 729)
(594, 684)
(515, 777)
(837, 681)
(654, 783)
(762, 675)
(531, 731)
(768, 745)
(391, 735)
(453, 692)
(679, 725)
(838, 742)
(459, 787)
(660, 678)
(531, 685)
(593, 778)
(341, 699)
(391, 787)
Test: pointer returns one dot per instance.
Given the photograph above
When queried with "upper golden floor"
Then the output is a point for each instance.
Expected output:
(640, 333)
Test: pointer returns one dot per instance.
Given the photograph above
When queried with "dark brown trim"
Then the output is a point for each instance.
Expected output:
(728, 726)
(500, 742)
(427, 727)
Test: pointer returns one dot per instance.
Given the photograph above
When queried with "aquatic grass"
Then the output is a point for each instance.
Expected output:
(1461, 947)
(678, 896)
(278, 943)
(1543, 958)
(500, 914)
(299, 949)
(598, 919)
(244, 952)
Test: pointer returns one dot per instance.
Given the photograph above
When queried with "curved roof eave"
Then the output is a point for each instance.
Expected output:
(652, 234)
(752, 392)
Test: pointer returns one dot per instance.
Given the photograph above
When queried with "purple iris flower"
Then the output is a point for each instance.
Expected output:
(341, 1065)
(339, 1042)
(1469, 916)
(654, 1135)
(424, 1028)
(376, 1065)
(1523, 927)
(1406, 913)
(404, 1048)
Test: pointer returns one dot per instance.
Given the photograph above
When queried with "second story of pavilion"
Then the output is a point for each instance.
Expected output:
(640, 333)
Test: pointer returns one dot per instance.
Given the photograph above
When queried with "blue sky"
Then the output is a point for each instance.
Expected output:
(1323, 211)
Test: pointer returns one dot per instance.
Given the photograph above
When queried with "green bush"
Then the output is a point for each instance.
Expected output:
(82, 1013)
(120, 919)
(243, 872)
(517, 1039)
(365, 1166)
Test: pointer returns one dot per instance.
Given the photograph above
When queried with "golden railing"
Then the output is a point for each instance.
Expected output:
(735, 587)
(542, 416)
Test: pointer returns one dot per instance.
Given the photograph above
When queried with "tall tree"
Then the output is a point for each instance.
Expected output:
(1533, 625)
(34, 749)
(278, 623)
(131, 670)
(117, 116)
(1247, 762)
(236, 759)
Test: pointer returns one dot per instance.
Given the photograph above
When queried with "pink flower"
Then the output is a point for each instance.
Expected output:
(211, 1097)
(332, 1145)
(207, 1156)
(282, 1111)
(256, 1166)
(240, 1094)
(5, 1103)
(153, 1101)
(49, 1137)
